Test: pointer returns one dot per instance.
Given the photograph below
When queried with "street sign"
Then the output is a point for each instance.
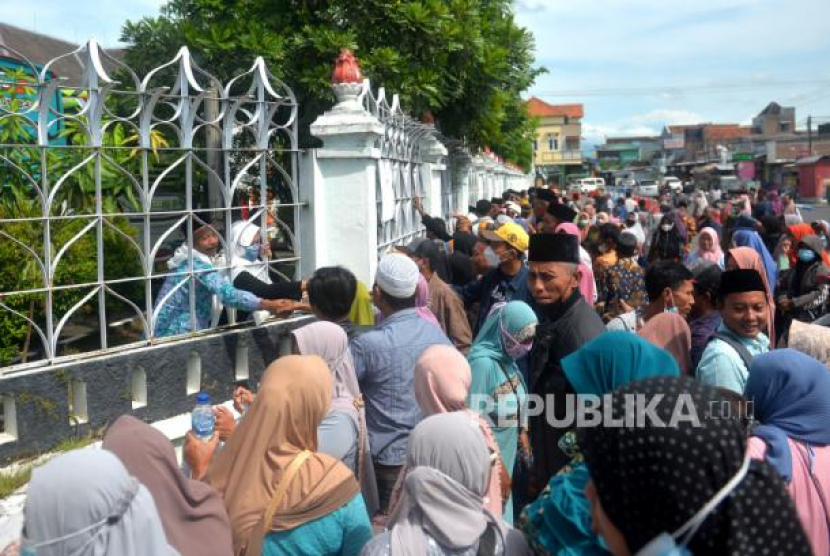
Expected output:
(742, 157)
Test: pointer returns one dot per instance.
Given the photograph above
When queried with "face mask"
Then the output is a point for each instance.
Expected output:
(806, 255)
(666, 227)
(583, 223)
(665, 544)
(673, 309)
(252, 252)
(491, 257)
(515, 349)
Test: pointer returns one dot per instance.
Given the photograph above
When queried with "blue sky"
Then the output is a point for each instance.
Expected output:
(654, 47)
(744, 46)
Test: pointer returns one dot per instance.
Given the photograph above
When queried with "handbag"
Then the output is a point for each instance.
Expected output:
(255, 546)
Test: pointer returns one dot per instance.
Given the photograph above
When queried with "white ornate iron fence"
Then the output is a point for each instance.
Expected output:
(99, 180)
(399, 178)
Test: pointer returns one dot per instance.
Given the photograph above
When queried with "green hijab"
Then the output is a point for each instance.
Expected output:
(517, 317)
(614, 359)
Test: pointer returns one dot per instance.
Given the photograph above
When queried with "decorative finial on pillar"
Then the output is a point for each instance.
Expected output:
(347, 81)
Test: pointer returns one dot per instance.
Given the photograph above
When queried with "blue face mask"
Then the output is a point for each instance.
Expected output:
(806, 255)
(252, 252)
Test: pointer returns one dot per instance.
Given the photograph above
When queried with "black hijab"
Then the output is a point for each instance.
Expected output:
(653, 479)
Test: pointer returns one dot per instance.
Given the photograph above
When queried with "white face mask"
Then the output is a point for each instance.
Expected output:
(666, 227)
(491, 257)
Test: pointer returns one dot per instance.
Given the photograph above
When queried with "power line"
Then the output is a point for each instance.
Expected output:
(678, 89)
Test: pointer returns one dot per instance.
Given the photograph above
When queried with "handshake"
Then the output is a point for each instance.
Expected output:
(283, 307)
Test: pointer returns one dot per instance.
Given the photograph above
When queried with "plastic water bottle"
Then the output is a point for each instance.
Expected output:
(202, 419)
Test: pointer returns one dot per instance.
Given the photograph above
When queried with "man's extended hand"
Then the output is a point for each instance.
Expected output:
(280, 307)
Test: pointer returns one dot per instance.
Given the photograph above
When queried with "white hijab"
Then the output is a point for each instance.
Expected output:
(242, 236)
(84, 503)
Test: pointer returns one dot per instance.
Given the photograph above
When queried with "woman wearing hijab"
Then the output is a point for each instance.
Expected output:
(587, 285)
(799, 232)
(666, 242)
(250, 273)
(751, 239)
(790, 396)
(282, 495)
(422, 302)
(342, 434)
(747, 258)
(812, 339)
(192, 513)
(708, 249)
(498, 389)
(675, 471)
(441, 381)
(806, 296)
(559, 521)
(443, 510)
(362, 312)
(670, 332)
(775, 203)
(85, 503)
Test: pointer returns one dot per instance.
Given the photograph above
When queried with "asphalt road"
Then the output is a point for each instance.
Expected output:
(815, 212)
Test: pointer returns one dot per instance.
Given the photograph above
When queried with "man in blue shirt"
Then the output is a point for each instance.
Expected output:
(384, 359)
(743, 307)
(508, 281)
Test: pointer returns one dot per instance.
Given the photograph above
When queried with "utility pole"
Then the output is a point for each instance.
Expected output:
(810, 135)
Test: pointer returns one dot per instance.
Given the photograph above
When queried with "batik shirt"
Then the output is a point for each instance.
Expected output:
(174, 316)
(624, 281)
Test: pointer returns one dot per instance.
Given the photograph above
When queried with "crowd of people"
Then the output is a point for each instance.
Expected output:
(403, 423)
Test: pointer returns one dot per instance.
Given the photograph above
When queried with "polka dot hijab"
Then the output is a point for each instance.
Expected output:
(653, 479)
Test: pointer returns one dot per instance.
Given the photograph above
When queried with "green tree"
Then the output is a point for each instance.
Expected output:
(467, 61)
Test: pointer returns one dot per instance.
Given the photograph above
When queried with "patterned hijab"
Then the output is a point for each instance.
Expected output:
(652, 479)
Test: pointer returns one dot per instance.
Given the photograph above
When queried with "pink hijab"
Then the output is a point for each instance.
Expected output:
(587, 284)
(747, 258)
(441, 382)
(422, 301)
(715, 254)
(670, 332)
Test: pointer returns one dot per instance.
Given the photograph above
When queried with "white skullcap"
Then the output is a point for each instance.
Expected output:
(397, 276)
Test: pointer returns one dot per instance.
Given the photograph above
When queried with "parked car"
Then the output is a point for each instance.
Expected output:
(647, 188)
(672, 183)
(587, 185)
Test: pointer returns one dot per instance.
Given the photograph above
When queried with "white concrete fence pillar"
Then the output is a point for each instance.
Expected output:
(433, 155)
(344, 197)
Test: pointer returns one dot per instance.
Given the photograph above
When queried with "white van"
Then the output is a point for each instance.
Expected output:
(587, 185)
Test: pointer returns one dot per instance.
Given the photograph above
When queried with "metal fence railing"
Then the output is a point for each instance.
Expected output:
(103, 180)
(399, 177)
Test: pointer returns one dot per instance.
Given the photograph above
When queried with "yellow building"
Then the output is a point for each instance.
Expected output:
(557, 147)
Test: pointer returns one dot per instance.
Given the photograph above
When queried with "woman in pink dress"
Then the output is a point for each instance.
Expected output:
(790, 396)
